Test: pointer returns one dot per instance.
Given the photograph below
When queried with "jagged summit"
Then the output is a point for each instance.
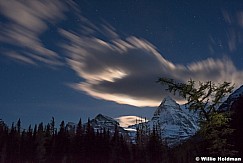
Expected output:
(176, 125)
(168, 101)
(167, 104)
(175, 122)
(101, 122)
(100, 118)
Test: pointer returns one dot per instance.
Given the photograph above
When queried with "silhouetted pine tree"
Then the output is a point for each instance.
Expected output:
(40, 141)
(13, 145)
(30, 145)
(155, 147)
(49, 143)
(3, 140)
(77, 143)
(89, 143)
(120, 151)
(105, 145)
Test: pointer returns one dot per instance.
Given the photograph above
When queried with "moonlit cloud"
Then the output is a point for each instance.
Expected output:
(19, 57)
(111, 67)
(126, 121)
(125, 70)
(233, 34)
(240, 18)
(25, 25)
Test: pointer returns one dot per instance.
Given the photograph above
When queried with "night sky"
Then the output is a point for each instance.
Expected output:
(72, 59)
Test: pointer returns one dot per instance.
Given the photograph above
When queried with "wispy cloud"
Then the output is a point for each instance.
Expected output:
(125, 70)
(126, 121)
(233, 37)
(26, 21)
(114, 68)
(19, 57)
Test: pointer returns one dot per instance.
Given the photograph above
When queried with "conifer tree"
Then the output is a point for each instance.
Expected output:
(77, 143)
(3, 139)
(12, 145)
(52, 126)
(206, 97)
(89, 145)
(18, 125)
(155, 146)
(79, 129)
(30, 144)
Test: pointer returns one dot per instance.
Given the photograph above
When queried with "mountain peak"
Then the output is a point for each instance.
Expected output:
(167, 104)
(103, 118)
(101, 122)
(168, 101)
(176, 125)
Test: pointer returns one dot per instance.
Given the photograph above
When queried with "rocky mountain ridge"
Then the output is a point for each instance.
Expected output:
(232, 97)
(101, 122)
(175, 122)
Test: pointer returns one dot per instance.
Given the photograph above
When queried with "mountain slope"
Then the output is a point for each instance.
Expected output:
(236, 123)
(101, 122)
(174, 122)
(176, 125)
(232, 97)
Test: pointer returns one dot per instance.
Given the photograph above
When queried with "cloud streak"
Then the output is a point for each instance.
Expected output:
(125, 70)
(19, 57)
(26, 24)
(233, 37)
(126, 121)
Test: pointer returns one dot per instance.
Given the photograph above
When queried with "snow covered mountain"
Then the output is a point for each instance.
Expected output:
(237, 93)
(232, 97)
(175, 124)
(101, 122)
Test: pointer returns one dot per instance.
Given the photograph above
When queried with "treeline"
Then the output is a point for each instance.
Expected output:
(45, 143)
(82, 143)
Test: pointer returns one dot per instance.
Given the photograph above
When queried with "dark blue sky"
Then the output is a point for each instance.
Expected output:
(76, 59)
